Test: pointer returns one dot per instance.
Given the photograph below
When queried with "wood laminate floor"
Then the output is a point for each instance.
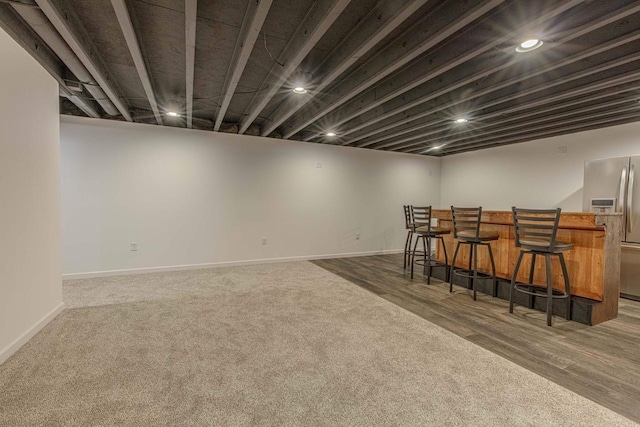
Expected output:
(601, 362)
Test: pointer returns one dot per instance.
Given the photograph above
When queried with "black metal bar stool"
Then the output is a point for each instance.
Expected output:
(425, 231)
(466, 228)
(408, 225)
(536, 231)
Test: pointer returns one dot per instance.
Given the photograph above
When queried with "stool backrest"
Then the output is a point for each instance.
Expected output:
(421, 216)
(540, 224)
(466, 219)
(408, 220)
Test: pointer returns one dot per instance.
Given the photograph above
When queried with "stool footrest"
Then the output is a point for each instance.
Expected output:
(469, 275)
(423, 263)
(524, 288)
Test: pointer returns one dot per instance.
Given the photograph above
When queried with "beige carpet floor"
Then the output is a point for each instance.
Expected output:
(277, 344)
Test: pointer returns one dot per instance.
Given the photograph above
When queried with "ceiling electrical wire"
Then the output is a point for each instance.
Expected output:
(269, 52)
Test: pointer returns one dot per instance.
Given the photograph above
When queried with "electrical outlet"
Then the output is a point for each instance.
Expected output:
(430, 172)
(319, 165)
(134, 246)
(562, 150)
(357, 236)
(264, 241)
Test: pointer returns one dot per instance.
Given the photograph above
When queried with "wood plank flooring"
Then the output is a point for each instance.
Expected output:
(601, 362)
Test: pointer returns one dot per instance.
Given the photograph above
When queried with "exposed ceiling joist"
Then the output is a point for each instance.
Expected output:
(391, 91)
(399, 84)
(366, 85)
(612, 44)
(63, 18)
(444, 133)
(391, 58)
(619, 95)
(628, 82)
(12, 25)
(385, 17)
(558, 122)
(628, 8)
(124, 19)
(251, 26)
(462, 77)
(518, 94)
(322, 15)
(579, 126)
(630, 77)
(190, 18)
(39, 23)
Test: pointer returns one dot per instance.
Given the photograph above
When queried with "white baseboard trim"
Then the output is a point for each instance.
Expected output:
(92, 274)
(8, 351)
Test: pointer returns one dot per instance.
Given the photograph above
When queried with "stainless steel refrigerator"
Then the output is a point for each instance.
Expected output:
(613, 185)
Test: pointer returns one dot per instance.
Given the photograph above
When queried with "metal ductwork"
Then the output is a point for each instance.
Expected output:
(47, 32)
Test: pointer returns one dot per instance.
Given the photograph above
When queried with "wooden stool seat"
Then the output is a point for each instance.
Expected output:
(542, 245)
(482, 236)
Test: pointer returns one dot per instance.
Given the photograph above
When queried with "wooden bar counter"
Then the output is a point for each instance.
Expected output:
(593, 264)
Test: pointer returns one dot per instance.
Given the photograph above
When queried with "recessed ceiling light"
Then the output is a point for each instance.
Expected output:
(461, 120)
(529, 45)
(173, 114)
(435, 147)
(331, 134)
(299, 89)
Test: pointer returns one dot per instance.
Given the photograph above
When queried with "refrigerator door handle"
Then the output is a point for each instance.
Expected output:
(623, 179)
(632, 171)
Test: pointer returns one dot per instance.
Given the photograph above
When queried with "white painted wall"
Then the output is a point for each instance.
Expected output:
(194, 197)
(532, 174)
(30, 284)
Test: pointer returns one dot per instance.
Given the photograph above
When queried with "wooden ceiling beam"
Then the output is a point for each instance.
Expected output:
(63, 18)
(38, 49)
(582, 104)
(613, 44)
(392, 58)
(460, 78)
(579, 127)
(382, 19)
(603, 84)
(190, 21)
(124, 19)
(319, 19)
(254, 18)
(448, 59)
(570, 118)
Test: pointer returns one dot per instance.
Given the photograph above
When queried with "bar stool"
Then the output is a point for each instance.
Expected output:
(408, 225)
(466, 228)
(536, 231)
(425, 231)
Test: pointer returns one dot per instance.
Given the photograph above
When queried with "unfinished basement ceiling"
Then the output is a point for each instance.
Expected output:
(387, 75)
